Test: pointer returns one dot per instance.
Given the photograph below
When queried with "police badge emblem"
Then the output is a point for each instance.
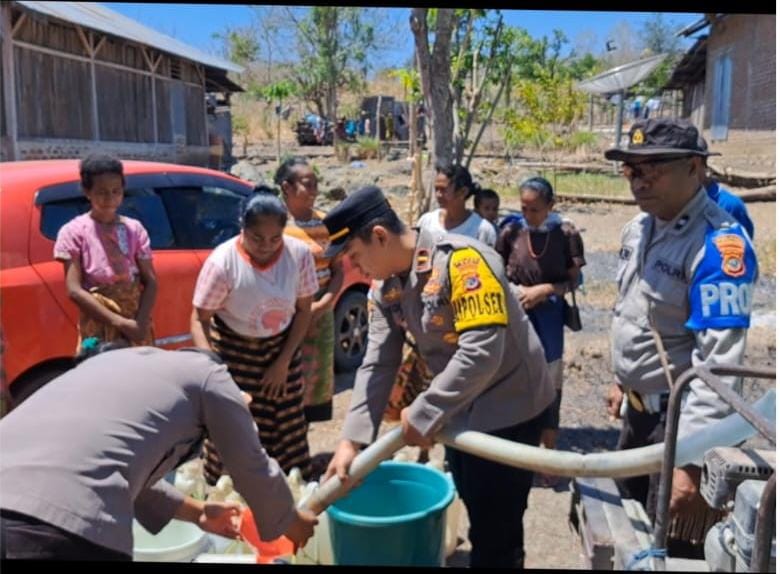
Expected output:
(732, 251)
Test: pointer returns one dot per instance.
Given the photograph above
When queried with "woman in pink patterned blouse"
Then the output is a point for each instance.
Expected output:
(108, 260)
(252, 305)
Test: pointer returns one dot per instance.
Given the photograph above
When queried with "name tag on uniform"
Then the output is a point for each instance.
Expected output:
(669, 269)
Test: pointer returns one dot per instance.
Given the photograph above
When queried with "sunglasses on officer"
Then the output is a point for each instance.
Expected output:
(650, 170)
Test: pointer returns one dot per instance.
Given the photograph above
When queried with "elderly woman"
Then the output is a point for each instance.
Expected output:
(543, 254)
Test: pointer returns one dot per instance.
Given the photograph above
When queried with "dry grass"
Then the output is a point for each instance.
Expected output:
(766, 253)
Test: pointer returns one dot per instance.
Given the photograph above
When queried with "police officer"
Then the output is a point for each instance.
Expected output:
(685, 276)
(489, 370)
(87, 454)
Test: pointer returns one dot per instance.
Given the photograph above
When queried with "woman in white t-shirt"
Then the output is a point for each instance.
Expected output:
(252, 305)
(454, 186)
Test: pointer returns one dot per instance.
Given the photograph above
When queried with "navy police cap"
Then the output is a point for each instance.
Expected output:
(349, 216)
(659, 138)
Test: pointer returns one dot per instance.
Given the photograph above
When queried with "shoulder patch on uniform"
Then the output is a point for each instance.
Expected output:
(732, 251)
(477, 296)
(721, 292)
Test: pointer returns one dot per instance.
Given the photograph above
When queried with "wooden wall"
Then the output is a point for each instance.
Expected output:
(53, 69)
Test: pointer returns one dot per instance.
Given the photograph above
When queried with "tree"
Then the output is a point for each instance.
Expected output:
(434, 65)
(658, 37)
(482, 62)
(549, 106)
(410, 80)
(269, 25)
(239, 45)
(334, 45)
(278, 92)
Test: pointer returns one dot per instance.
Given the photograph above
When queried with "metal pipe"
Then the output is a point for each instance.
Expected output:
(737, 403)
(619, 122)
(670, 438)
(765, 521)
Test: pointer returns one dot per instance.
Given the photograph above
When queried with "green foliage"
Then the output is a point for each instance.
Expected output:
(582, 139)
(239, 45)
(589, 184)
(279, 91)
(240, 124)
(547, 104)
(334, 45)
(654, 83)
(349, 110)
(659, 36)
(410, 81)
(367, 147)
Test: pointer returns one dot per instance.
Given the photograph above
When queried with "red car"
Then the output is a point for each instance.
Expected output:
(187, 212)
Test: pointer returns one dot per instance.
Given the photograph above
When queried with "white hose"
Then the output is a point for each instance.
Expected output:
(617, 464)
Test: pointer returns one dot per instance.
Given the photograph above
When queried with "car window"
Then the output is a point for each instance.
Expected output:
(57, 214)
(147, 207)
(141, 204)
(202, 217)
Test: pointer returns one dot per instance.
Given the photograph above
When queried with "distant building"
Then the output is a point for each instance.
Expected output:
(78, 77)
(728, 77)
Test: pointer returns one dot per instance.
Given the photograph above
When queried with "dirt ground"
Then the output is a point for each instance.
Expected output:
(584, 425)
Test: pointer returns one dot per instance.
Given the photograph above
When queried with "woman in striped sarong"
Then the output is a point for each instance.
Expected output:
(299, 186)
(252, 305)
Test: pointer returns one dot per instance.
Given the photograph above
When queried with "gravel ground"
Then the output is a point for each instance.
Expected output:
(584, 425)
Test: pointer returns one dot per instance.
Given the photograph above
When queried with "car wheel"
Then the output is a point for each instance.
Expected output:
(21, 389)
(351, 321)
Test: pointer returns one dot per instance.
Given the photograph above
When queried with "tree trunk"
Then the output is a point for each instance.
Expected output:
(485, 123)
(332, 110)
(279, 134)
(435, 79)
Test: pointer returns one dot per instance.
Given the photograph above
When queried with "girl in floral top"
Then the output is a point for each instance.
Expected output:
(108, 260)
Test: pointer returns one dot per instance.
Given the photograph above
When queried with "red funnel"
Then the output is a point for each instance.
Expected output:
(266, 552)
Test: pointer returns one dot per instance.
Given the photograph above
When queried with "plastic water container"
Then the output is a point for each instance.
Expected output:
(395, 518)
(178, 541)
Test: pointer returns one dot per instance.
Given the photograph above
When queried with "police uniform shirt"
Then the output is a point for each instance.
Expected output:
(489, 366)
(692, 281)
(88, 452)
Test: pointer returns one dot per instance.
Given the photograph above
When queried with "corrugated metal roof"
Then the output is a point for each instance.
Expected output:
(98, 17)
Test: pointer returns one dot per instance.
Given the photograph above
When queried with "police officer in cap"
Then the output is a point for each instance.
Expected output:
(685, 277)
(489, 369)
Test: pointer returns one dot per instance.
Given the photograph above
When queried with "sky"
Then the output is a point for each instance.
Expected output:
(195, 24)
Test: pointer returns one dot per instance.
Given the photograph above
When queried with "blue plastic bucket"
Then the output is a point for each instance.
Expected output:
(395, 518)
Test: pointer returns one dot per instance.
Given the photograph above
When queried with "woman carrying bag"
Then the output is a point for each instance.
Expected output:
(543, 254)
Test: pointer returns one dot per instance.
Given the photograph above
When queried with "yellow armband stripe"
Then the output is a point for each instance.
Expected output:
(478, 299)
